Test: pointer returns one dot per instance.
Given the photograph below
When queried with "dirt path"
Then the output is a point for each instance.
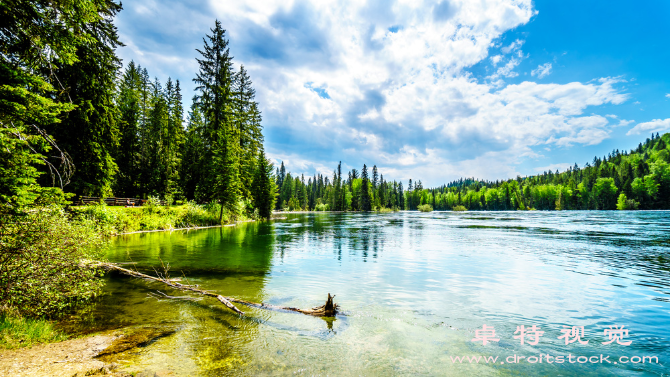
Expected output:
(78, 357)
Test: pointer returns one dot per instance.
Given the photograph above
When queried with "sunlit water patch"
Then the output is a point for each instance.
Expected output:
(413, 288)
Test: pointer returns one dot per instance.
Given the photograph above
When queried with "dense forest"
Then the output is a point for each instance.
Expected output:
(73, 122)
(71, 118)
(639, 179)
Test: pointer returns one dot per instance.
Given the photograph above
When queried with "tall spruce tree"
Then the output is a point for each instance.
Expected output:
(215, 86)
(127, 153)
(90, 132)
(247, 121)
(263, 189)
(174, 139)
(193, 152)
(364, 200)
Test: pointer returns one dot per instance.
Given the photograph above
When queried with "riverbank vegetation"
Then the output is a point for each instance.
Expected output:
(17, 331)
(71, 123)
(111, 220)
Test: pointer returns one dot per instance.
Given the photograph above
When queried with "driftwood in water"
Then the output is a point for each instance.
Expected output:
(327, 310)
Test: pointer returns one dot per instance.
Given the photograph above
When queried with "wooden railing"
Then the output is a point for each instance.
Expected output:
(134, 202)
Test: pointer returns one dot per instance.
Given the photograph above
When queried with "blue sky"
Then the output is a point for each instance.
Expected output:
(430, 90)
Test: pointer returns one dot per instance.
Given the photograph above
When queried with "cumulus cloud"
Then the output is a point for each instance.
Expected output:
(561, 167)
(624, 123)
(386, 83)
(668, 95)
(656, 125)
(541, 71)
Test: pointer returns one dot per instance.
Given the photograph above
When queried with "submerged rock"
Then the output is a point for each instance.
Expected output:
(133, 338)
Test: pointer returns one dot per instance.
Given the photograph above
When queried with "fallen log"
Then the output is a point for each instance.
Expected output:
(329, 309)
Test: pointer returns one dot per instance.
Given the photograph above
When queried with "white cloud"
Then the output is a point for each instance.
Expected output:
(624, 123)
(515, 46)
(400, 93)
(541, 71)
(495, 59)
(507, 70)
(656, 125)
(668, 95)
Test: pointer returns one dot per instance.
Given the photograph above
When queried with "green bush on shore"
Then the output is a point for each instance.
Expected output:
(425, 208)
(459, 208)
(43, 261)
(321, 207)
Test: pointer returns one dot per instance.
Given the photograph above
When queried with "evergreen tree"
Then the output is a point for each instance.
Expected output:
(364, 200)
(247, 121)
(215, 85)
(264, 189)
(127, 154)
(90, 132)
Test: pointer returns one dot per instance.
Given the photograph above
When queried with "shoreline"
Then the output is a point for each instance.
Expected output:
(189, 228)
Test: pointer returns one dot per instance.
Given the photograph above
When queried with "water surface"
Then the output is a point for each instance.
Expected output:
(413, 288)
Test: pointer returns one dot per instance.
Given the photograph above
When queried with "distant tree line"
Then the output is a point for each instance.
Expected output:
(639, 179)
(358, 191)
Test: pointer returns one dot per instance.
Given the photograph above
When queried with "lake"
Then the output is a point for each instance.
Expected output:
(413, 288)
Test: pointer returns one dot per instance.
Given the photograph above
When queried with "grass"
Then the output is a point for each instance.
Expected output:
(17, 332)
(115, 220)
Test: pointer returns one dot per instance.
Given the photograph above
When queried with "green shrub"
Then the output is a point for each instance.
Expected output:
(459, 208)
(625, 204)
(321, 207)
(103, 218)
(196, 215)
(425, 208)
(153, 205)
(42, 254)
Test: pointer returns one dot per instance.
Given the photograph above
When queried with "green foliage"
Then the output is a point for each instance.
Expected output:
(263, 187)
(459, 208)
(197, 215)
(604, 191)
(41, 255)
(89, 133)
(425, 208)
(16, 331)
(152, 205)
(623, 203)
(116, 220)
(321, 207)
